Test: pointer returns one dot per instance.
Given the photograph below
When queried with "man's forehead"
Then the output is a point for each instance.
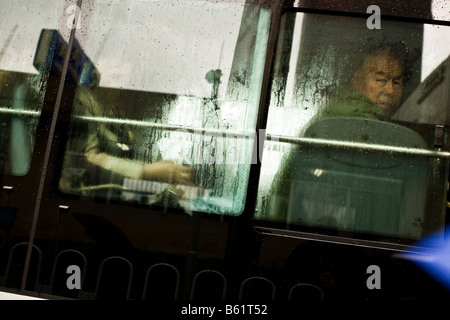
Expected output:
(384, 63)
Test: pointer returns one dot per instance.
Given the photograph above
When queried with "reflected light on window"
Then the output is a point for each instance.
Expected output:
(318, 172)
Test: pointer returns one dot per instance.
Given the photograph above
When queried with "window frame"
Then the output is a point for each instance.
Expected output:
(267, 227)
(65, 118)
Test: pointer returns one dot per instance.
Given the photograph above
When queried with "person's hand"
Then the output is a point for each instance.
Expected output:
(169, 172)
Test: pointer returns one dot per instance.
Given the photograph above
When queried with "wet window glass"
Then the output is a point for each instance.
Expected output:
(357, 129)
(165, 110)
(22, 79)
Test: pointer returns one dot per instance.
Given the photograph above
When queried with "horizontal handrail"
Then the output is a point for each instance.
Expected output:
(358, 145)
(171, 127)
(137, 123)
(20, 111)
(272, 137)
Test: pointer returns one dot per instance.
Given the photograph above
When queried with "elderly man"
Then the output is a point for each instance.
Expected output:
(376, 92)
(377, 85)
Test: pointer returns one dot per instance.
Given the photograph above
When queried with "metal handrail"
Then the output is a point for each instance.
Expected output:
(302, 141)
(171, 127)
(359, 145)
(20, 111)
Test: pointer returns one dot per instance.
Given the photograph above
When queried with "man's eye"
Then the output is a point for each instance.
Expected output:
(398, 82)
(381, 81)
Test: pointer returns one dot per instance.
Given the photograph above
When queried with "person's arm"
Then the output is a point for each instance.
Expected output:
(162, 171)
(128, 168)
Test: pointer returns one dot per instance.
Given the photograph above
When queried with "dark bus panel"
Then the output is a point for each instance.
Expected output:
(224, 150)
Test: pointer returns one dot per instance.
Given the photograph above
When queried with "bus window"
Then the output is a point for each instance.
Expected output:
(22, 85)
(352, 121)
(172, 120)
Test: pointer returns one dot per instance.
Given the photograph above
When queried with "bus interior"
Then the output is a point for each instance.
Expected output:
(177, 150)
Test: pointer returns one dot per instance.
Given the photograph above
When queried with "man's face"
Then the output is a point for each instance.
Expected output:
(381, 80)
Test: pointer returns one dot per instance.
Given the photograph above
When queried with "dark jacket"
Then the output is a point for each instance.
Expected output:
(349, 103)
